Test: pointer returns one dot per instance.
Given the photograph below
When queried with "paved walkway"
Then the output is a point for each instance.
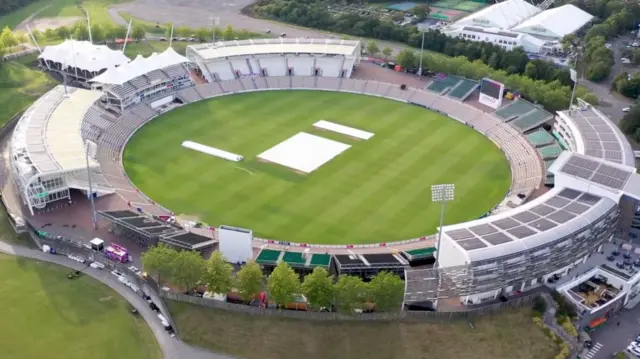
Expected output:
(172, 348)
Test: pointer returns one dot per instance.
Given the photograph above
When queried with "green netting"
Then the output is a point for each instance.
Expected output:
(517, 108)
(268, 256)
(532, 120)
(469, 6)
(441, 85)
(551, 151)
(463, 88)
(320, 260)
(540, 138)
(295, 258)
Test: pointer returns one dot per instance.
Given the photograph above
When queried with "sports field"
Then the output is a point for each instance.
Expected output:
(46, 315)
(376, 191)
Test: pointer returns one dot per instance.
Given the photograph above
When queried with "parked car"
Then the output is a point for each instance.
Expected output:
(96, 265)
(626, 109)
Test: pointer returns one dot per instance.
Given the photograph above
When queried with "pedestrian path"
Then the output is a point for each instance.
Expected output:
(593, 351)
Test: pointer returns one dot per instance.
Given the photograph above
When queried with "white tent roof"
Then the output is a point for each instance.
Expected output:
(140, 66)
(556, 22)
(84, 55)
(503, 15)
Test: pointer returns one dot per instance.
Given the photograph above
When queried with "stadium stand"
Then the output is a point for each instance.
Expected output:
(443, 82)
(515, 109)
(550, 152)
(301, 262)
(531, 120)
(144, 79)
(464, 88)
(230, 60)
(540, 137)
(420, 256)
(368, 265)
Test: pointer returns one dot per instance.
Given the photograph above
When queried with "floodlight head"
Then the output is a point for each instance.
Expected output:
(442, 192)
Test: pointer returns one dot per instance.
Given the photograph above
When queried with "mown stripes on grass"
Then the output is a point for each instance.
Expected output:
(376, 191)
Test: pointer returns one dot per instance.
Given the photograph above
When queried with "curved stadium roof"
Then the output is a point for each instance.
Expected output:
(83, 55)
(504, 15)
(556, 22)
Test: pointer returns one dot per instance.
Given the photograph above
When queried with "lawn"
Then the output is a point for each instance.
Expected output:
(20, 85)
(376, 191)
(61, 8)
(509, 335)
(45, 315)
(146, 48)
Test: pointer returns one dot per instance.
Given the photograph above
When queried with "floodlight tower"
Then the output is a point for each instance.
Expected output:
(441, 193)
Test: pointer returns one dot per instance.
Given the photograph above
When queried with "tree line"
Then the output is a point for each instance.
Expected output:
(347, 294)
(630, 123)
(552, 95)
(316, 15)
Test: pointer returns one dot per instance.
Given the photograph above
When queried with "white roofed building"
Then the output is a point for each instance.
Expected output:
(275, 57)
(81, 60)
(504, 15)
(144, 79)
(48, 155)
(555, 23)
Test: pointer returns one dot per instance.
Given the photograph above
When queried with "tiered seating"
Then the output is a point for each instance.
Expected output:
(124, 90)
(531, 120)
(221, 69)
(175, 71)
(550, 152)
(240, 66)
(139, 82)
(95, 118)
(515, 109)
(156, 76)
(539, 138)
(247, 83)
(464, 88)
(330, 66)
(307, 82)
(442, 82)
(302, 65)
(143, 111)
(189, 95)
(274, 66)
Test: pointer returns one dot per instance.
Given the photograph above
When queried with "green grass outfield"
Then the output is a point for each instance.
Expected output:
(376, 191)
(46, 315)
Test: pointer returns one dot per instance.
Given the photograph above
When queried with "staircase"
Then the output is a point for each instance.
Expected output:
(249, 66)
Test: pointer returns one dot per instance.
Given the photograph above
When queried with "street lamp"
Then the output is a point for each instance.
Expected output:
(422, 28)
(441, 193)
(93, 205)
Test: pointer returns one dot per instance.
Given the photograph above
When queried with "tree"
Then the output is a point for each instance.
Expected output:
(250, 280)
(81, 32)
(184, 31)
(228, 34)
(49, 34)
(421, 11)
(283, 284)
(7, 38)
(119, 32)
(386, 290)
(219, 276)
(157, 260)
(406, 58)
(318, 288)
(217, 32)
(372, 48)
(387, 51)
(187, 269)
(203, 34)
(138, 33)
(97, 33)
(350, 293)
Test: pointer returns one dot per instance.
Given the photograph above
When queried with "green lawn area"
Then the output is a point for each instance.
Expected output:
(378, 190)
(508, 335)
(61, 8)
(146, 48)
(45, 315)
(20, 85)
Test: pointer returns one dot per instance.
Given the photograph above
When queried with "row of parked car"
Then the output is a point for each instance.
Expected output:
(634, 346)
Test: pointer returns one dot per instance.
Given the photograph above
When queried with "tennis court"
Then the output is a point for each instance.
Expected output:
(461, 5)
(446, 14)
(402, 6)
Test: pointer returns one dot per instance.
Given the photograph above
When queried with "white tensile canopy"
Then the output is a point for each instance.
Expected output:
(140, 66)
(83, 55)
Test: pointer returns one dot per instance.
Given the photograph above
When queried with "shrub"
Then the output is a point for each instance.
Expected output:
(539, 305)
(564, 351)
(568, 326)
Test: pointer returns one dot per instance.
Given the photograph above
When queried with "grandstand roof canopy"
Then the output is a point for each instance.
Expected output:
(276, 46)
(84, 55)
(556, 22)
(52, 135)
(502, 15)
(140, 66)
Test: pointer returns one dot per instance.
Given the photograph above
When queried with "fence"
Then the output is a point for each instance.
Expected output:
(326, 316)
